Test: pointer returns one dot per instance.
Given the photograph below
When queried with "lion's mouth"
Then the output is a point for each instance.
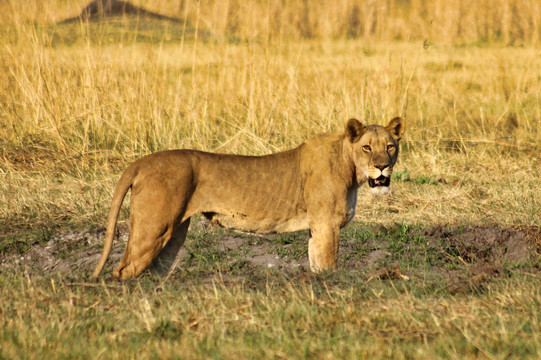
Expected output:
(380, 181)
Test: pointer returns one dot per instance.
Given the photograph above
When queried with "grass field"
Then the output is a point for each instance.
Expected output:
(446, 266)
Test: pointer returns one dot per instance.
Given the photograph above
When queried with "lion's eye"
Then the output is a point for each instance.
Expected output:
(367, 148)
(390, 147)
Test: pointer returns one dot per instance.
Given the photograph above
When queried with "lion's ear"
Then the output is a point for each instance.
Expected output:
(354, 130)
(396, 127)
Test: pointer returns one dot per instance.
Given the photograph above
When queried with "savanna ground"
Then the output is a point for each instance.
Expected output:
(447, 266)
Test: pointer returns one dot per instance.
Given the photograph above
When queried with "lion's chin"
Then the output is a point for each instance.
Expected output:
(380, 190)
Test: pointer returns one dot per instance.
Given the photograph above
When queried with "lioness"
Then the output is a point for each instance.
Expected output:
(313, 186)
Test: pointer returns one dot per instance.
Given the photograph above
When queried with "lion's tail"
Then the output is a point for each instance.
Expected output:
(124, 184)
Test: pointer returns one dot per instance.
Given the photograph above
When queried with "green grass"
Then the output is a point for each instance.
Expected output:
(421, 179)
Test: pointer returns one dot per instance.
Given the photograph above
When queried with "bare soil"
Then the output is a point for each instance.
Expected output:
(464, 257)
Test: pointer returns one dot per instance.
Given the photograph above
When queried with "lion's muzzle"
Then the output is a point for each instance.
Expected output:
(380, 181)
(379, 185)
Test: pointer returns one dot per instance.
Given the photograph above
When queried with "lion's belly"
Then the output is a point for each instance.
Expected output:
(247, 223)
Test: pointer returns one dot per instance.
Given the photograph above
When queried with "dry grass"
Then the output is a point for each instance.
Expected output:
(510, 22)
(73, 115)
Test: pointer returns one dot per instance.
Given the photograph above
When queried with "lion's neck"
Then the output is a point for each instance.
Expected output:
(350, 176)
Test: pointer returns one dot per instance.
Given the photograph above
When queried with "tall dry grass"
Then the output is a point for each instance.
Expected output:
(507, 21)
(78, 102)
(256, 98)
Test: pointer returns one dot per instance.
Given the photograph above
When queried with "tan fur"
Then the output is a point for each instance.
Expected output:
(313, 186)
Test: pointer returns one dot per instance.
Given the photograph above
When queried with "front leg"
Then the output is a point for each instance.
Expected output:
(326, 199)
(323, 247)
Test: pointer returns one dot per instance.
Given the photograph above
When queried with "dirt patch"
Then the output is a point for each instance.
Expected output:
(67, 253)
(479, 254)
(494, 245)
(376, 258)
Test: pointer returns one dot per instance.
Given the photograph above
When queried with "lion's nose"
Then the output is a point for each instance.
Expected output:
(381, 167)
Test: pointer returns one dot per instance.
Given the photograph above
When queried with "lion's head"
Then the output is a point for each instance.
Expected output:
(374, 151)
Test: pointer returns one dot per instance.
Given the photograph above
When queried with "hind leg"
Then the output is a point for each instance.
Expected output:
(143, 246)
(154, 211)
(167, 258)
